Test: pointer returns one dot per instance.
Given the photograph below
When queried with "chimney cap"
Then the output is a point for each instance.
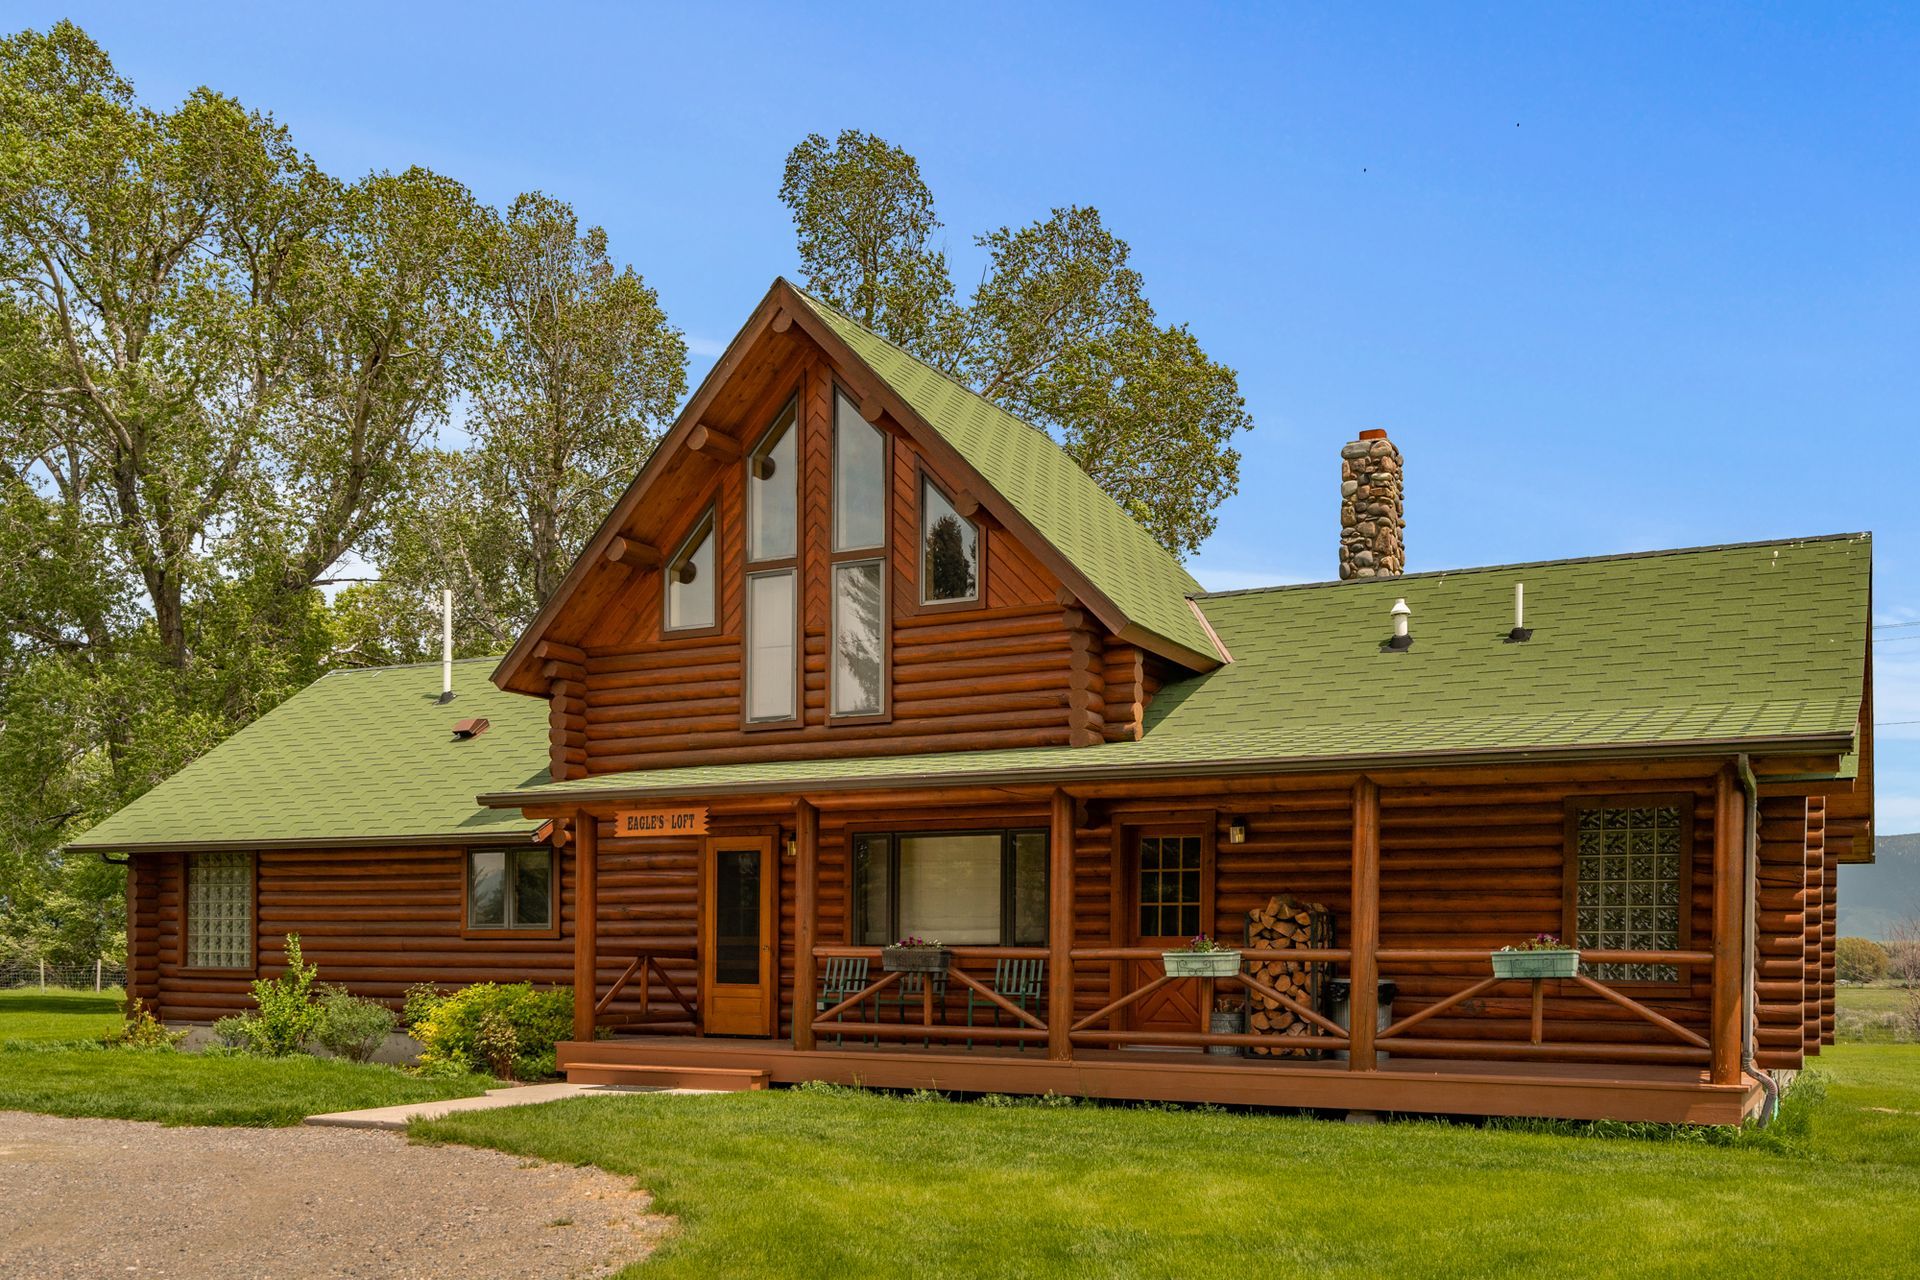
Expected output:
(1374, 433)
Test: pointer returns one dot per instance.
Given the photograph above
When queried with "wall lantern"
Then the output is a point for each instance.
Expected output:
(1236, 831)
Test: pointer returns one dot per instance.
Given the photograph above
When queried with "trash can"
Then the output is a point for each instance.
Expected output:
(1340, 996)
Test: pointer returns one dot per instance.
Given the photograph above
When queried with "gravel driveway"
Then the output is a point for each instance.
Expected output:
(122, 1198)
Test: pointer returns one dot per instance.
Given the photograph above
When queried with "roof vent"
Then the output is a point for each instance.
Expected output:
(1402, 636)
(464, 729)
(1521, 631)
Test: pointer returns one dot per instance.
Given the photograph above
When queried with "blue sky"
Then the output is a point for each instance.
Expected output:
(1614, 278)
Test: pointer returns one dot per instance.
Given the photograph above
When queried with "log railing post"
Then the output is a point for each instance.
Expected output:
(1060, 930)
(806, 829)
(1729, 932)
(586, 921)
(1364, 932)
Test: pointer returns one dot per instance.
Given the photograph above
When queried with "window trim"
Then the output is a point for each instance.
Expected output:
(922, 478)
(1689, 879)
(881, 552)
(468, 929)
(707, 520)
(252, 968)
(772, 569)
(933, 827)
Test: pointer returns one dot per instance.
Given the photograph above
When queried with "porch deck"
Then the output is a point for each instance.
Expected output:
(1636, 1091)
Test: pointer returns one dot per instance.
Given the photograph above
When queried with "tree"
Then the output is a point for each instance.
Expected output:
(866, 222)
(577, 372)
(1059, 332)
(1859, 960)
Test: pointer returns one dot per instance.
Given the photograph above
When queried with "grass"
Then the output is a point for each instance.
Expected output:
(33, 1016)
(50, 1062)
(1875, 1014)
(832, 1183)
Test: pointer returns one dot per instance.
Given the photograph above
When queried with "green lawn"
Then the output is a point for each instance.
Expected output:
(33, 1016)
(49, 1063)
(1874, 1014)
(820, 1184)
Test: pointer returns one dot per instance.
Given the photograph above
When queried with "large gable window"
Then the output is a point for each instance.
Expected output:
(1629, 863)
(857, 673)
(773, 490)
(692, 583)
(954, 887)
(219, 911)
(949, 549)
(510, 888)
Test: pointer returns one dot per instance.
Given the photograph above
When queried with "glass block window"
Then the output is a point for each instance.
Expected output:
(1631, 867)
(220, 911)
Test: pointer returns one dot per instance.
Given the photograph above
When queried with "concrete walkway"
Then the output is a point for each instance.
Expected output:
(513, 1096)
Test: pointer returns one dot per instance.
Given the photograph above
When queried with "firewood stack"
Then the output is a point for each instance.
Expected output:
(1280, 924)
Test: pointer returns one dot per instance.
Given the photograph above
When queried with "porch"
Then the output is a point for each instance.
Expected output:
(1600, 1045)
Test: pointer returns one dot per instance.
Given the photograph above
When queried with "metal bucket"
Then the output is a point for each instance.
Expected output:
(1340, 999)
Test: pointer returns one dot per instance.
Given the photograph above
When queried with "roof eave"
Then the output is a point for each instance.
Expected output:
(507, 829)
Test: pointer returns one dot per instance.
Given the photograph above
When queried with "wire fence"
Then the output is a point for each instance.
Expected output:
(99, 975)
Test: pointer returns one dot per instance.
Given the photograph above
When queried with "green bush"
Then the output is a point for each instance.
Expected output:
(351, 1027)
(234, 1031)
(1860, 960)
(422, 999)
(143, 1031)
(508, 1030)
(285, 1014)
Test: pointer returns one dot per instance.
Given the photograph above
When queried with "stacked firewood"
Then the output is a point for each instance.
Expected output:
(1281, 924)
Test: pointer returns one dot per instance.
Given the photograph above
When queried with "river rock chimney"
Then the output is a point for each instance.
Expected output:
(1372, 509)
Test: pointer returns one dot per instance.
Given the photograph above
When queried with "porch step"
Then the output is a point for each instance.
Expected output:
(717, 1079)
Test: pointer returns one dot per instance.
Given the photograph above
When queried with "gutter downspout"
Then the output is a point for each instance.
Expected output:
(1750, 873)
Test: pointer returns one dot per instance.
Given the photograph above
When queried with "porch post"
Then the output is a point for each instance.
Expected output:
(1729, 920)
(1060, 930)
(586, 921)
(1363, 937)
(806, 830)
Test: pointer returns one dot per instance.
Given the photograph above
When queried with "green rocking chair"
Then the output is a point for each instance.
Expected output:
(841, 978)
(1019, 982)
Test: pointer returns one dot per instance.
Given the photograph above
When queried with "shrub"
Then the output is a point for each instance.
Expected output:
(508, 1030)
(1860, 960)
(351, 1027)
(143, 1031)
(234, 1031)
(285, 1011)
(422, 999)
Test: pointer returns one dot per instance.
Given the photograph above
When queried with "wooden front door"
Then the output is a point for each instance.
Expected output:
(739, 908)
(1169, 900)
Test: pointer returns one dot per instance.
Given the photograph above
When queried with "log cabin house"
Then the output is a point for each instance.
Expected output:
(858, 656)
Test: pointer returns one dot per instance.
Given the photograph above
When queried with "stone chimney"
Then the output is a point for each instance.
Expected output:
(1372, 509)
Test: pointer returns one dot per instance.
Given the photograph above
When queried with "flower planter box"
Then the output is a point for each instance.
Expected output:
(1201, 964)
(1536, 964)
(916, 959)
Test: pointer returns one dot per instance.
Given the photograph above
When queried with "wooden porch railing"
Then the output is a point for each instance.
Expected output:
(1027, 1027)
(1327, 1033)
(646, 966)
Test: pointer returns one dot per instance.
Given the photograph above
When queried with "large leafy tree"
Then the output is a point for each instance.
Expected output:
(1059, 331)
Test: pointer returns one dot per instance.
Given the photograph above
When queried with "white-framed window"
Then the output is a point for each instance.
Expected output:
(772, 659)
(693, 596)
(510, 888)
(219, 910)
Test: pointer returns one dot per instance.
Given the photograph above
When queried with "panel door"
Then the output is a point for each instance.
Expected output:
(1169, 900)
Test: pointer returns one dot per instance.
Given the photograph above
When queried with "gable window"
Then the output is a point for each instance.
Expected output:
(510, 888)
(949, 549)
(857, 647)
(219, 910)
(692, 594)
(1629, 861)
(773, 490)
(771, 661)
(954, 887)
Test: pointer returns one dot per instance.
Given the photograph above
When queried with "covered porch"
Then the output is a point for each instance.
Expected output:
(1422, 876)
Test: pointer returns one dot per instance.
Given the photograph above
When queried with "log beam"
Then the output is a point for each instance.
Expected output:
(708, 442)
(633, 553)
(1060, 930)
(1365, 930)
(806, 826)
(1729, 926)
(586, 921)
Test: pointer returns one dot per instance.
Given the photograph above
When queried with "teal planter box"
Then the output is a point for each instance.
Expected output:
(1201, 964)
(1536, 964)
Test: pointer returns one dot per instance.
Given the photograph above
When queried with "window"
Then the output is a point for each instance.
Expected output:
(773, 491)
(692, 582)
(859, 479)
(220, 911)
(859, 619)
(510, 888)
(949, 549)
(979, 887)
(771, 662)
(1169, 891)
(1630, 867)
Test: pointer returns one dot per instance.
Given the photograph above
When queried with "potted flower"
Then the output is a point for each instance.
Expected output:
(916, 955)
(1541, 956)
(1202, 957)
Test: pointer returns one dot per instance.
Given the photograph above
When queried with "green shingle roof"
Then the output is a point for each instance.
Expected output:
(1048, 488)
(1752, 647)
(356, 755)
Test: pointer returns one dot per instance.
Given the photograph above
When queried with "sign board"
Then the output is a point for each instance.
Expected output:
(632, 824)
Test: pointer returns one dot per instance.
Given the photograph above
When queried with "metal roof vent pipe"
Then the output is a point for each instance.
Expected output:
(446, 646)
(1521, 631)
(1402, 633)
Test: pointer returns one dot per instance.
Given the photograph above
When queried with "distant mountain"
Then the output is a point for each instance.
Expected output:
(1873, 898)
